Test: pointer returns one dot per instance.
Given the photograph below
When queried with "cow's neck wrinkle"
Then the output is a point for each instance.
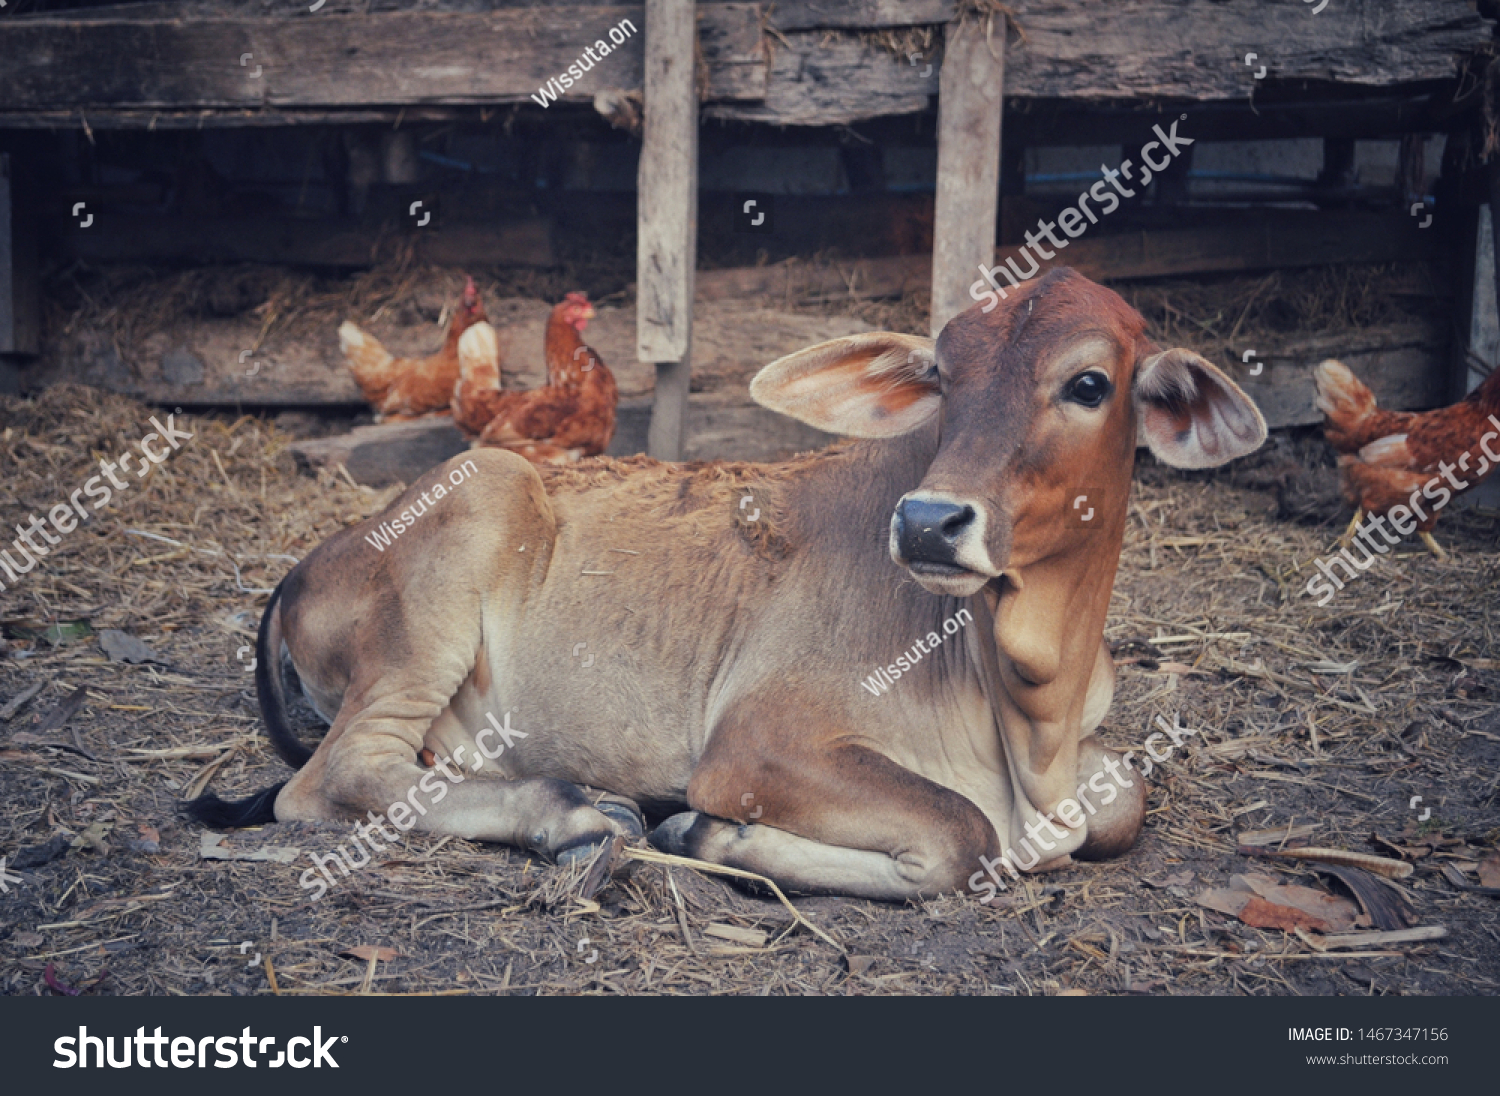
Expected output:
(841, 508)
(1039, 641)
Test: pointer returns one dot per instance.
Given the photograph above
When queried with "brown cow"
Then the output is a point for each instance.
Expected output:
(696, 634)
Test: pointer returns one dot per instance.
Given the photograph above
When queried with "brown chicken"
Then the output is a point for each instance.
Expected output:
(407, 387)
(571, 416)
(1399, 458)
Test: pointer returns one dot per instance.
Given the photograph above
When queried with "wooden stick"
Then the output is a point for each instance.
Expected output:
(651, 856)
(970, 103)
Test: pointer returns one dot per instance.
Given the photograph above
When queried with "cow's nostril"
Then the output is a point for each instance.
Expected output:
(956, 524)
(928, 531)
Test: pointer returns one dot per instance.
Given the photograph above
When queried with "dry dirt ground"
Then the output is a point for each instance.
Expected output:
(1331, 718)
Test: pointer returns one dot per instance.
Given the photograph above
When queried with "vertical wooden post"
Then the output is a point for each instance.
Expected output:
(970, 106)
(667, 218)
(1484, 324)
(18, 298)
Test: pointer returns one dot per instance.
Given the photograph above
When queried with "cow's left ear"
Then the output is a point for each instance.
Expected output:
(875, 385)
(1192, 415)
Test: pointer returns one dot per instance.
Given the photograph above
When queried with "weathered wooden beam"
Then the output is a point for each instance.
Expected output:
(303, 242)
(503, 55)
(19, 317)
(970, 109)
(1265, 241)
(667, 193)
(384, 453)
(1402, 363)
(1190, 49)
(1162, 50)
(1483, 343)
(859, 14)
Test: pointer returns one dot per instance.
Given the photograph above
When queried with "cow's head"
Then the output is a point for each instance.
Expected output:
(1038, 405)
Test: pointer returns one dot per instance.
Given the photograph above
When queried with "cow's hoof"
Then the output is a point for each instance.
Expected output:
(674, 837)
(624, 814)
(581, 852)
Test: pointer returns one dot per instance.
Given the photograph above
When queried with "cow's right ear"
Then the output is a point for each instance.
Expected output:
(1192, 415)
(876, 385)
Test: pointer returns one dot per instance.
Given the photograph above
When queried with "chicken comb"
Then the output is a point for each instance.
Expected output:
(577, 298)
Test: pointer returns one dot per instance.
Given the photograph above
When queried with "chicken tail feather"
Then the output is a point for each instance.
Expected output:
(368, 360)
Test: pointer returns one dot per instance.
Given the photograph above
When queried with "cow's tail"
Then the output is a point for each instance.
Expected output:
(260, 808)
(270, 686)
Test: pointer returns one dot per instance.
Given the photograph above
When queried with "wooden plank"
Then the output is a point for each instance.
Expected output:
(1403, 364)
(7, 263)
(19, 313)
(719, 429)
(1170, 50)
(1268, 240)
(1483, 343)
(385, 453)
(861, 14)
(504, 55)
(1163, 50)
(667, 196)
(304, 242)
(833, 78)
(1189, 49)
(968, 167)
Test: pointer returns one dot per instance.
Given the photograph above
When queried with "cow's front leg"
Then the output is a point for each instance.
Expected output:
(840, 820)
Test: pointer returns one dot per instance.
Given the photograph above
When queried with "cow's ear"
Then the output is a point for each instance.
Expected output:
(1192, 415)
(875, 385)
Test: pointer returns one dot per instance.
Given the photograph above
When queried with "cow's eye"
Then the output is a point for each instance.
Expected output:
(1090, 389)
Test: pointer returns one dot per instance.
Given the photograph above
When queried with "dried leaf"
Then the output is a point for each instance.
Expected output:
(124, 647)
(93, 837)
(1259, 901)
(58, 635)
(1261, 914)
(148, 842)
(1336, 912)
(211, 847)
(1489, 870)
(1278, 835)
(370, 951)
(1179, 879)
(28, 939)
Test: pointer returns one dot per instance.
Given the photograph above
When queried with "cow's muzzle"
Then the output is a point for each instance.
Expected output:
(927, 533)
(940, 541)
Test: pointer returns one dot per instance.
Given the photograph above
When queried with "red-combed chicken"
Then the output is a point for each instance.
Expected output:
(408, 387)
(571, 416)
(1413, 459)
